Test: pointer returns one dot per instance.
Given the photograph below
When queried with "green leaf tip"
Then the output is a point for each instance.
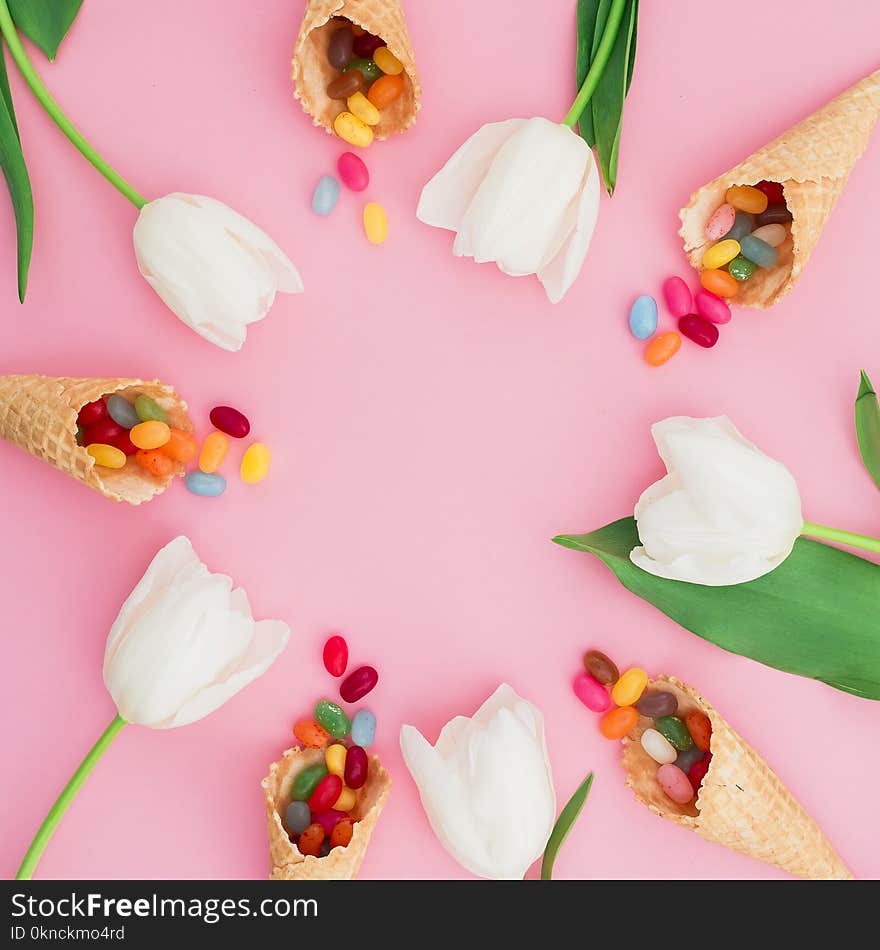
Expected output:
(563, 826)
(45, 22)
(867, 415)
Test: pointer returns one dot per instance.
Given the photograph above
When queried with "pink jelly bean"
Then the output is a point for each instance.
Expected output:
(675, 784)
(353, 171)
(328, 820)
(698, 329)
(720, 222)
(591, 692)
(678, 296)
(336, 655)
(711, 307)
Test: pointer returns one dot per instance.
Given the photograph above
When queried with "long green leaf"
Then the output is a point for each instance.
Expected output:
(631, 65)
(817, 614)
(587, 13)
(868, 427)
(46, 22)
(564, 822)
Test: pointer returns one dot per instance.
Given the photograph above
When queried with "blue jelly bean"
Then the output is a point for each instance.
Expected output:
(363, 728)
(754, 249)
(743, 224)
(643, 317)
(201, 483)
(122, 412)
(326, 195)
(297, 818)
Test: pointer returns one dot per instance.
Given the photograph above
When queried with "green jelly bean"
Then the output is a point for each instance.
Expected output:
(367, 68)
(673, 729)
(332, 717)
(149, 410)
(80, 432)
(306, 781)
(741, 268)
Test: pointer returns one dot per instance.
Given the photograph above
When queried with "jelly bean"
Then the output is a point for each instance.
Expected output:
(336, 655)
(230, 421)
(740, 269)
(107, 456)
(591, 692)
(627, 690)
(678, 296)
(213, 452)
(306, 781)
(656, 703)
(662, 348)
(687, 758)
(775, 214)
(255, 463)
(358, 683)
(675, 784)
(711, 307)
(773, 190)
(385, 90)
(601, 667)
(363, 728)
(150, 435)
(698, 329)
(104, 431)
(720, 222)
(332, 717)
(328, 820)
(387, 61)
(772, 234)
(325, 195)
(617, 723)
(357, 765)
(325, 848)
(310, 840)
(122, 411)
(148, 410)
(341, 47)
(342, 833)
(658, 747)
(755, 250)
(675, 731)
(124, 444)
(367, 68)
(643, 317)
(205, 484)
(743, 225)
(719, 282)
(346, 84)
(80, 435)
(352, 171)
(700, 727)
(91, 413)
(310, 734)
(297, 817)
(347, 800)
(360, 105)
(697, 772)
(181, 446)
(325, 794)
(720, 254)
(375, 223)
(335, 758)
(746, 198)
(350, 128)
(155, 461)
(366, 44)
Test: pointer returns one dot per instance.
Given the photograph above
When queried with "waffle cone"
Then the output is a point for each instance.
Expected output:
(311, 72)
(812, 161)
(341, 864)
(742, 804)
(38, 414)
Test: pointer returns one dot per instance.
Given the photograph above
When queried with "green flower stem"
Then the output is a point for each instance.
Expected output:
(56, 813)
(597, 67)
(842, 537)
(7, 27)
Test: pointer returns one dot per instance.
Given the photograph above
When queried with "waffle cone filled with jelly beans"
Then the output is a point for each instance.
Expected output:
(802, 174)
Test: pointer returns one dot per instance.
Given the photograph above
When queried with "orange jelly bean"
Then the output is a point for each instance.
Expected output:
(342, 833)
(746, 198)
(700, 727)
(311, 734)
(385, 90)
(214, 450)
(617, 723)
(311, 839)
(662, 348)
(719, 282)
(182, 446)
(155, 461)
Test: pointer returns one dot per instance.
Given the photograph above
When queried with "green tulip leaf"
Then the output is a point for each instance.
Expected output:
(564, 823)
(46, 22)
(815, 615)
(587, 14)
(868, 427)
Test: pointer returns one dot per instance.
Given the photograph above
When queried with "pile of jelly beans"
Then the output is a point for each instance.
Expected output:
(679, 745)
(356, 177)
(324, 794)
(227, 421)
(370, 79)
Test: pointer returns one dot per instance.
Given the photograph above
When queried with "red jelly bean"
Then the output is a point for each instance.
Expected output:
(230, 421)
(697, 772)
(773, 191)
(328, 820)
(700, 727)
(357, 684)
(124, 444)
(336, 656)
(326, 792)
(311, 839)
(353, 171)
(699, 329)
(104, 431)
(366, 44)
(91, 412)
(357, 765)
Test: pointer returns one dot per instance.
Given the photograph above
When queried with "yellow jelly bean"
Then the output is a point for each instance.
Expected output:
(375, 223)
(746, 198)
(347, 800)
(106, 455)
(387, 61)
(255, 463)
(213, 452)
(350, 128)
(335, 759)
(627, 690)
(361, 107)
(720, 254)
(150, 435)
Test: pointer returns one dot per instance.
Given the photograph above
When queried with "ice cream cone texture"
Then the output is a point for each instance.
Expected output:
(311, 71)
(286, 861)
(742, 804)
(812, 161)
(38, 414)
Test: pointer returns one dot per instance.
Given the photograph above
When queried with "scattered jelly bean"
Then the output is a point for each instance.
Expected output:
(656, 703)
(230, 421)
(367, 68)
(352, 171)
(155, 461)
(341, 47)
(775, 214)
(675, 784)
(342, 834)
(334, 757)
(363, 728)
(375, 223)
(356, 767)
(720, 254)
(697, 772)
(335, 655)
(328, 820)
(310, 734)
(675, 731)
(591, 692)
(627, 690)
(205, 484)
(150, 435)
(360, 105)
(124, 444)
(687, 758)
(643, 317)
(699, 329)
(122, 411)
(746, 198)
(658, 747)
(387, 61)
(740, 269)
(181, 446)
(347, 799)
(772, 234)
(756, 251)
(346, 84)
(743, 225)
(719, 282)
(91, 413)
(332, 717)
(306, 781)
(662, 348)
(297, 817)
(325, 794)
(700, 727)
(352, 130)
(385, 90)
(214, 450)
(711, 307)
(310, 840)
(358, 683)
(678, 296)
(148, 410)
(773, 190)
(325, 195)
(366, 44)
(601, 667)
(104, 431)
(255, 463)
(719, 224)
(617, 723)
(107, 456)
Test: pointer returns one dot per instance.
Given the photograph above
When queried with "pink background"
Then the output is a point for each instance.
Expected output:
(433, 424)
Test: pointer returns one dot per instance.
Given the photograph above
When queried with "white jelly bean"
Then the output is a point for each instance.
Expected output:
(658, 747)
